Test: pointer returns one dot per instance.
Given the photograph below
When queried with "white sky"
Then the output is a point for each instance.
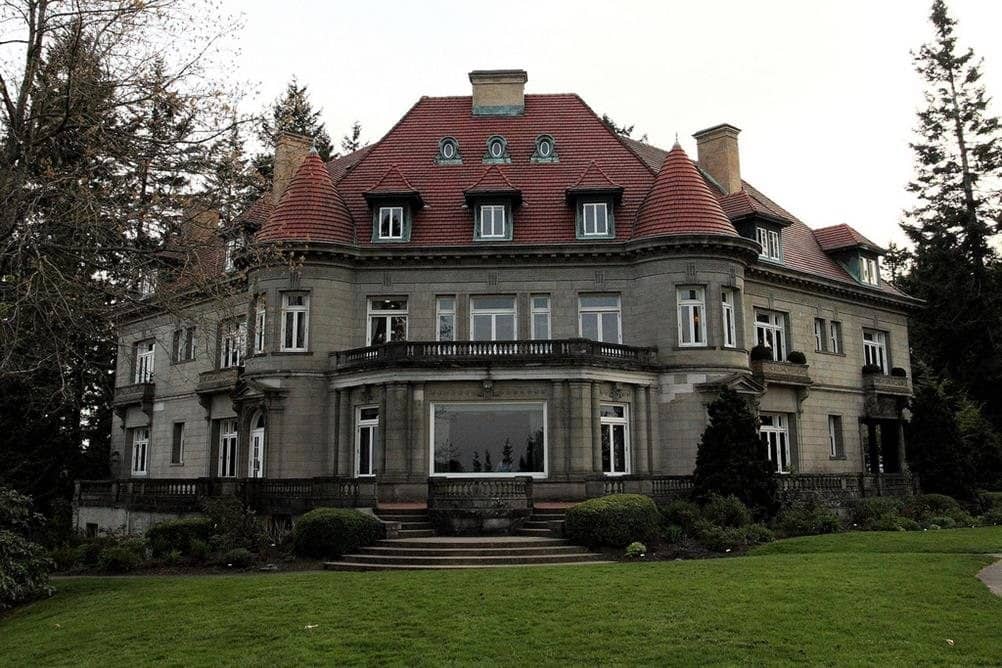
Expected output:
(824, 91)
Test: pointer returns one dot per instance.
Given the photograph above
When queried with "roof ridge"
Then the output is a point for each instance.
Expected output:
(393, 170)
(490, 169)
(594, 166)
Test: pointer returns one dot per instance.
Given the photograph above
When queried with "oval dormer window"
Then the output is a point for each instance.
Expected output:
(545, 147)
(449, 149)
(496, 148)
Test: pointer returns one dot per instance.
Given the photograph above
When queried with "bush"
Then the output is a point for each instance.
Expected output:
(199, 550)
(989, 500)
(992, 518)
(761, 353)
(673, 534)
(238, 557)
(871, 512)
(123, 557)
(233, 525)
(178, 535)
(330, 532)
(871, 369)
(616, 520)
(758, 534)
(807, 518)
(66, 557)
(681, 514)
(729, 538)
(636, 550)
(24, 566)
(942, 522)
(726, 511)
(898, 372)
(922, 507)
(796, 357)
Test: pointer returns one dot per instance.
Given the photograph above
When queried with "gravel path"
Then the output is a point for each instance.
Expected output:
(992, 576)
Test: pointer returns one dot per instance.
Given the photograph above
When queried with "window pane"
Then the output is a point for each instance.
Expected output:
(504, 326)
(599, 301)
(481, 328)
(446, 303)
(488, 437)
(619, 447)
(541, 326)
(685, 313)
(541, 303)
(697, 323)
(610, 327)
(378, 333)
(493, 303)
(612, 411)
(399, 325)
(589, 326)
(606, 448)
(446, 328)
(368, 414)
(290, 321)
(364, 450)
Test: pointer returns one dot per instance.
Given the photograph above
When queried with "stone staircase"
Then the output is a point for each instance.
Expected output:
(414, 522)
(545, 522)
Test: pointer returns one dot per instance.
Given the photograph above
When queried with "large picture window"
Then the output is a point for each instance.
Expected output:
(366, 441)
(615, 440)
(492, 318)
(488, 439)
(691, 322)
(770, 331)
(387, 321)
(775, 434)
(599, 318)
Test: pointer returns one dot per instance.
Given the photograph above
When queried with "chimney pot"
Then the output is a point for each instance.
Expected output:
(498, 92)
(717, 154)
(290, 151)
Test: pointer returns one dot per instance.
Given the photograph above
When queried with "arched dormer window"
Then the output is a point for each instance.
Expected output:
(497, 151)
(546, 150)
(448, 152)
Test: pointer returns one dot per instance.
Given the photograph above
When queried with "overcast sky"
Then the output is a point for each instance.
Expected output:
(824, 91)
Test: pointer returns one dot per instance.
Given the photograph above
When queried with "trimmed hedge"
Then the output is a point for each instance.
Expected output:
(327, 533)
(179, 535)
(615, 521)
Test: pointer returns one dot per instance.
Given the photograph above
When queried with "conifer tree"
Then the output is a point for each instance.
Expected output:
(231, 184)
(352, 141)
(292, 112)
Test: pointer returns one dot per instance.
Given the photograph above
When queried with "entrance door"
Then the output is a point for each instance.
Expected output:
(255, 467)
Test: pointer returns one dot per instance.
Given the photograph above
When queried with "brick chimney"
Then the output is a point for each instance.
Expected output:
(290, 151)
(498, 92)
(717, 154)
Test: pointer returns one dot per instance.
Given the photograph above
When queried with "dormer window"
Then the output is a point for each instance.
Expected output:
(771, 243)
(391, 223)
(448, 152)
(546, 150)
(492, 222)
(497, 151)
(594, 219)
(869, 271)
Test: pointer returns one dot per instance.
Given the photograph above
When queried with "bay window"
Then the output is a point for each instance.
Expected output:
(492, 318)
(295, 321)
(770, 331)
(599, 318)
(691, 320)
(387, 321)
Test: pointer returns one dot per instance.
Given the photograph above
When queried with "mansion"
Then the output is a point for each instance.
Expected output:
(503, 288)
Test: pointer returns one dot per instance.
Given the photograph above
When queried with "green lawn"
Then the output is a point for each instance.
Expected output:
(818, 606)
(959, 541)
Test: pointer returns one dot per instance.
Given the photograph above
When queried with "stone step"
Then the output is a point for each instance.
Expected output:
(401, 511)
(535, 532)
(493, 560)
(348, 566)
(482, 542)
(416, 533)
(536, 524)
(398, 517)
(469, 551)
(548, 517)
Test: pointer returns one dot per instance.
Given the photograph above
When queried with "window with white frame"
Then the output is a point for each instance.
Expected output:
(835, 337)
(493, 318)
(147, 283)
(446, 315)
(260, 323)
(295, 321)
(728, 319)
(140, 450)
(599, 318)
(492, 221)
(145, 361)
(770, 331)
(691, 320)
(391, 222)
(820, 337)
(615, 439)
(771, 243)
(875, 349)
(540, 316)
(868, 270)
(836, 447)
(366, 440)
(230, 249)
(387, 321)
(183, 348)
(775, 434)
(227, 448)
(177, 444)
(595, 219)
(232, 343)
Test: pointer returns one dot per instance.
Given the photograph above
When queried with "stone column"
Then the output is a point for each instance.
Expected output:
(395, 430)
(596, 427)
(557, 464)
(333, 430)
(579, 412)
(345, 438)
(419, 445)
(902, 462)
(654, 448)
(638, 432)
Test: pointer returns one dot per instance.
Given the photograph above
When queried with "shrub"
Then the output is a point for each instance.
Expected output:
(871, 369)
(922, 507)
(673, 534)
(758, 534)
(173, 557)
(24, 566)
(121, 557)
(238, 557)
(807, 518)
(199, 550)
(636, 550)
(178, 535)
(796, 357)
(992, 518)
(233, 525)
(681, 514)
(66, 557)
(720, 539)
(870, 512)
(761, 353)
(898, 372)
(726, 511)
(942, 522)
(616, 520)
(330, 532)
(989, 500)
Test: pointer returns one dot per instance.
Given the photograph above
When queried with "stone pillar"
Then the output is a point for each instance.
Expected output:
(638, 432)
(345, 436)
(557, 462)
(596, 427)
(654, 448)
(395, 431)
(419, 444)
(902, 462)
(579, 412)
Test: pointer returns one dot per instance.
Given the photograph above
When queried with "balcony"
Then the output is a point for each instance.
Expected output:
(879, 383)
(137, 394)
(781, 373)
(884, 397)
(218, 380)
(557, 352)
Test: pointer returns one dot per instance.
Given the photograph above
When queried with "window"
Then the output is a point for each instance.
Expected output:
(140, 450)
(446, 307)
(775, 435)
(492, 319)
(497, 151)
(691, 323)
(595, 219)
(770, 241)
(835, 337)
(183, 347)
(230, 249)
(366, 440)
(391, 222)
(836, 448)
(147, 283)
(868, 271)
(727, 319)
(387, 321)
(232, 343)
(145, 358)
(599, 318)
(875, 349)
(255, 447)
(540, 316)
(770, 331)
(448, 152)
(295, 321)
(260, 322)
(546, 149)
(820, 338)
(492, 221)
(488, 438)
(615, 440)
(177, 444)
(228, 449)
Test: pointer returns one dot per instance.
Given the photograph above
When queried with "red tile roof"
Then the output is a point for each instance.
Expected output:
(842, 236)
(593, 181)
(311, 209)
(392, 182)
(257, 213)
(680, 203)
(740, 204)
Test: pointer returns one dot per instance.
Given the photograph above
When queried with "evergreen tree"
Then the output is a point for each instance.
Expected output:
(352, 141)
(506, 455)
(488, 464)
(232, 184)
(477, 465)
(954, 268)
(292, 112)
(731, 458)
(895, 263)
(936, 451)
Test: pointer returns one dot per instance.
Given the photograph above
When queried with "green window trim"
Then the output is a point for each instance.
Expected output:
(490, 158)
(509, 221)
(407, 221)
(441, 159)
(537, 155)
(579, 206)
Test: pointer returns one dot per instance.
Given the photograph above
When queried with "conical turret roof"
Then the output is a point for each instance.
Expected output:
(310, 209)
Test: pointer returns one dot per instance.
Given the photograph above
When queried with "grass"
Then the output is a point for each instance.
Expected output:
(805, 603)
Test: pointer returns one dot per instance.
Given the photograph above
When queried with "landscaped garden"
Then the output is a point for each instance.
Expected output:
(874, 597)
